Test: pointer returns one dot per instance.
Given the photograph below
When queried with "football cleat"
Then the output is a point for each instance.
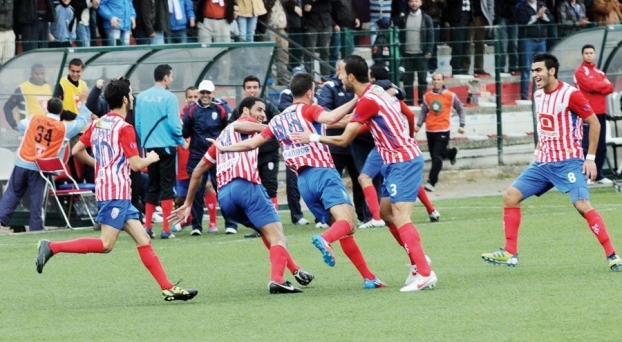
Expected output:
(212, 229)
(372, 224)
(615, 263)
(435, 216)
(303, 277)
(374, 284)
(302, 222)
(177, 293)
(286, 287)
(195, 232)
(324, 247)
(150, 232)
(321, 225)
(166, 235)
(501, 257)
(413, 271)
(421, 283)
(44, 254)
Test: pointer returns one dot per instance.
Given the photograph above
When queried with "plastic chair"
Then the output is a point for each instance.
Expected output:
(50, 167)
(6, 167)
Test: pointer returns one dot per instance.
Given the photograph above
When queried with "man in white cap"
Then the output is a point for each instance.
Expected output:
(203, 119)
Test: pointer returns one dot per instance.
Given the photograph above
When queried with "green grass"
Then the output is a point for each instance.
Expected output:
(562, 289)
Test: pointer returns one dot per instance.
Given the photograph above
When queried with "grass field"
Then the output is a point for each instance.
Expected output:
(562, 289)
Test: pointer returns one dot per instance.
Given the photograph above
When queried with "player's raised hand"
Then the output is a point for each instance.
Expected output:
(179, 215)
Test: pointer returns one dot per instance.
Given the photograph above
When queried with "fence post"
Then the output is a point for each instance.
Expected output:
(394, 64)
(499, 53)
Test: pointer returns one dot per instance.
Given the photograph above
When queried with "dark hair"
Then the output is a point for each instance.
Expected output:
(161, 71)
(190, 88)
(36, 66)
(248, 102)
(587, 46)
(379, 72)
(549, 60)
(55, 106)
(357, 66)
(250, 78)
(301, 83)
(115, 91)
(76, 62)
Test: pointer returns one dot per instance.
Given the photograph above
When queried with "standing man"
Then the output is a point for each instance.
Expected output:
(213, 20)
(69, 88)
(403, 163)
(417, 41)
(30, 97)
(436, 112)
(44, 137)
(114, 145)
(269, 158)
(7, 36)
(33, 18)
(558, 162)
(595, 87)
(159, 129)
(119, 19)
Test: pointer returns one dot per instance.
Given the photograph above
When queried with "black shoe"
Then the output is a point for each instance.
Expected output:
(18, 229)
(177, 293)
(253, 234)
(45, 253)
(303, 277)
(97, 226)
(286, 287)
(454, 153)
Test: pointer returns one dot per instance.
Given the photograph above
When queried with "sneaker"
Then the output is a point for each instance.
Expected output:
(321, 225)
(374, 284)
(150, 232)
(166, 235)
(156, 218)
(501, 257)
(177, 228)
(44, 254)
(303, 277)
(212, 229)
(302, 222)
(454, 153)
(177, 293)
(253, 234)
(421, 283)
(324, 247)
(615, 263)
(196, 232)
(286, 287)
(435, 216)
(605, 181)
(372, 224)
(429, 187)
(230, 230)
(413, 271)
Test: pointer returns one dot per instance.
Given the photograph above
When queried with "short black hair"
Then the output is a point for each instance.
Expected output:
(76, 62)
(549, 60)
(357, 66)
(190, 88)
(379, 72)
(251, 78)
(301, 83)
(115, 91)
(55, 106)
(248, 102)
(587, 46)
(36, 66)
(161, 71)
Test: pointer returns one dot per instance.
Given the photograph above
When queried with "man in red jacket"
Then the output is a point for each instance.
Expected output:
(595, 86)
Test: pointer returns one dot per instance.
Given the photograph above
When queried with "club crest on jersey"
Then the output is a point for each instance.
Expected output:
(377, 90)
(436, 106)
(214, 115)
(114, 213)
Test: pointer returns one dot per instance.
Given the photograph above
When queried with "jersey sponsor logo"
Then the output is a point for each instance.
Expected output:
(297, 152)
(547, 125)
(104, 124)
(228, 163)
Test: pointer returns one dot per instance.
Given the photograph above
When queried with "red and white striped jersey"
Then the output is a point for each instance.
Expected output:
(233, 165)
(298, 118)
(560, 119)
(113, 142)
(386, 125)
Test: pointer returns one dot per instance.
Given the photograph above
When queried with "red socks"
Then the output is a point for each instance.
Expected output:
(210, 204)
(81, 245)
(371, 197)
(275, 202)
(396, 234)
(597, 226)
(338, 230)
(167, 208)
(278, 260)
(149, 210)
(291, 264)
(423, 197)
(151, 261)
(353, 252)
(511, 224)
(412, 245)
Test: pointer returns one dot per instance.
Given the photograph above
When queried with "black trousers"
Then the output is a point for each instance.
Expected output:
(437, 143)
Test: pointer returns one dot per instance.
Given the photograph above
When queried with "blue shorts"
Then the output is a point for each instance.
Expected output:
(566, 176)
(181, 187)
(247, 203)
(402, 180)
(322, 188)
(115, 213)
(373, 164)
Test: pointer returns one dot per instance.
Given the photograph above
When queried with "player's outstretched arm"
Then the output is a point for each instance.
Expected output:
(246, 127)
(79, 151)
(335, 115)
(242, 146)
(342, 140)
(137, 163)
(181, 214)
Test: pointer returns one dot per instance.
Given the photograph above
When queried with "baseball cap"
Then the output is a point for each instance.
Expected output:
(207, 85)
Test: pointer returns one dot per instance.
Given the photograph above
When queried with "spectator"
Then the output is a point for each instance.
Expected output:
(60, 30)
(572, 17)
(532, 17)
(119, 19)
(33, 18)
(249, 11)
(159, 129)
(83, 18)
(234, 28)
(295, 32)
(144, 33)
(30, 97)
(434, 8)
(458, 15)
(214, 20)
(319, 29)
(344, 16)
(482, 19)
(607, 12)
(381, 46)
(277, 19)
(162, 20)
(416, 42)
(181, 17)
(508, 30)
(7, 36)
(378, 9)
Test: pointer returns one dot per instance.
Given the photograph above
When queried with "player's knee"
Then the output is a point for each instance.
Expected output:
(364, 180)
(108, 247)
(512, 197)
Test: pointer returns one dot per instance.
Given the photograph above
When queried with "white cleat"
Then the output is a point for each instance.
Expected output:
(321, 225)
(413, 271)
(435, 216)
(372, 224)
(421, 283)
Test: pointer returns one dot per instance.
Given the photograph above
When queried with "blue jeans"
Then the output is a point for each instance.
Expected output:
(116, 37)
(335, 46)
(158, 39)
(83, 35)
(247, 27)
(528, 47)
(508, 34)
(177, 37)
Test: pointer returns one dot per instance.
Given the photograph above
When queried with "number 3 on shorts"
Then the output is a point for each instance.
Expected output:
(393, 188)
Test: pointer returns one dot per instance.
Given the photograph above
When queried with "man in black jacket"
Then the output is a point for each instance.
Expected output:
(319, 24)
(33, 22)
(344, 16)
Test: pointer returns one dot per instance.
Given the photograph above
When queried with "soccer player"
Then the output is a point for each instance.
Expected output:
(319, 182)
(242, 196)
(403, 163)
(114, 147)
(558, 161)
